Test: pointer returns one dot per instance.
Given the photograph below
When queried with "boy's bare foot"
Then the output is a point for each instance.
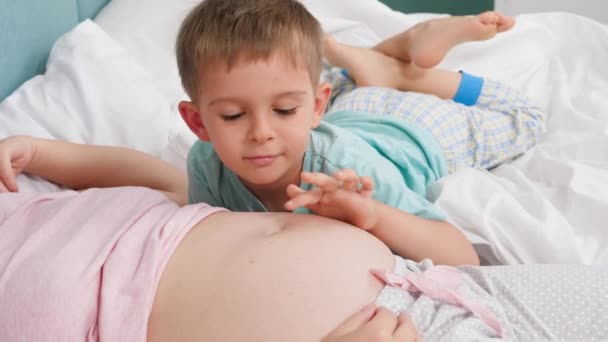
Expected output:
(427, 43)
(367, 67)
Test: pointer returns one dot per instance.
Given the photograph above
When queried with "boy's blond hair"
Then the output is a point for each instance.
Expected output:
(229, 30)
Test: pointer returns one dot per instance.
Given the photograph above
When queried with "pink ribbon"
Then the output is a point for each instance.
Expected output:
(442, 283)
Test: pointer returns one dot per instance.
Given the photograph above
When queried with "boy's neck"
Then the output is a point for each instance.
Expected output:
(275, 204)
(274, 196)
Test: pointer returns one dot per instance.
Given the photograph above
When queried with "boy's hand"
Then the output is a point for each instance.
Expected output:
(345, 197)
(16, 153)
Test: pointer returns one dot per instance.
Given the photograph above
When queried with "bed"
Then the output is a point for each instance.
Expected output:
(112, 79)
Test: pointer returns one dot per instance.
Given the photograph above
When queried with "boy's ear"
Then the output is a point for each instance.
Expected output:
(192, 118)
(321, 98)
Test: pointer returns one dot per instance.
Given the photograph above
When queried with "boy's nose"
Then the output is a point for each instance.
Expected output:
(260, 130)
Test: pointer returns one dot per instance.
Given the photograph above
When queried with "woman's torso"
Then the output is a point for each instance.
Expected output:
(265, 277)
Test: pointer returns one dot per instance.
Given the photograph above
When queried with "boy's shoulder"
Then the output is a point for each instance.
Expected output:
(355, 132)
(201, 150)
(333, 147)
(203, 154)
(365, 125)
(373, 142)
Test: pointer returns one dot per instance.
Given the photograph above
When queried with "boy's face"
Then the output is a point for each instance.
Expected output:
(258, 117)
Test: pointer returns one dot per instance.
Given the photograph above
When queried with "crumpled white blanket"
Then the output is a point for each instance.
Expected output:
(551, 205)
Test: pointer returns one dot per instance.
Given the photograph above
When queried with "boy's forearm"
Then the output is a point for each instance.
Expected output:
(418, 238)
(80, 166)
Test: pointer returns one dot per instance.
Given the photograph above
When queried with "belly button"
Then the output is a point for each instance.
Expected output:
(275, 229)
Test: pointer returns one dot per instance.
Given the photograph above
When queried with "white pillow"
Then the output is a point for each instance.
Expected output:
(92, 92)
(148, 30)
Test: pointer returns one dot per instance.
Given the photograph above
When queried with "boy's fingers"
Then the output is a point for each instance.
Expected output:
(349, 178)
(293, 190)
(321, 180)
(406, 330)
(367, 186)
(356, 320)
(304, 199)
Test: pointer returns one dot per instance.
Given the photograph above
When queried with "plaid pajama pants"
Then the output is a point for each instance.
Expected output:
(502, 125)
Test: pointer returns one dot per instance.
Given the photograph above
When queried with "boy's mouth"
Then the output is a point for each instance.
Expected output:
(261, 160)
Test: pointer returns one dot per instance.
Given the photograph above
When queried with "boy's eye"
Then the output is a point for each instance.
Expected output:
(231, 117)
(286, 111)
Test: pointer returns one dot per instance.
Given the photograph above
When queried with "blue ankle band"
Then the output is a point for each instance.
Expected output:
(469, 89)
(345, 73)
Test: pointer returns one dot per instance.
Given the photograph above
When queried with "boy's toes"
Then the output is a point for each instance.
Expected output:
(489, 18)
(505, 23)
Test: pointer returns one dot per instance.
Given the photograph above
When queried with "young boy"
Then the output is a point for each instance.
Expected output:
(252, 70)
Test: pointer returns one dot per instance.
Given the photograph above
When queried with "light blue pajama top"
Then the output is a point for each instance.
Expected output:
(401, 158)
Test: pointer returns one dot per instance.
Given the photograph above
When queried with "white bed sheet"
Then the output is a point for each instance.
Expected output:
(550, 205)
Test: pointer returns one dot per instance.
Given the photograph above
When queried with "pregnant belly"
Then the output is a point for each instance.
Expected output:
(265, 277)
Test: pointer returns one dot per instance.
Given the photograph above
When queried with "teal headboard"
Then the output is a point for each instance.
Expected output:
(28, 29)
(456, 7)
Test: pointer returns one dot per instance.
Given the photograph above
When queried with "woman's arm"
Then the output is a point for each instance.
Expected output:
(375, 324)
(80, 166)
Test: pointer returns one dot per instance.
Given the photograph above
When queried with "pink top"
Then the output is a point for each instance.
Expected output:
(85, 266)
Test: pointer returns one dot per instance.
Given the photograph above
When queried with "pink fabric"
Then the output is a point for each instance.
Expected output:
(85, 266)
(441, 283)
